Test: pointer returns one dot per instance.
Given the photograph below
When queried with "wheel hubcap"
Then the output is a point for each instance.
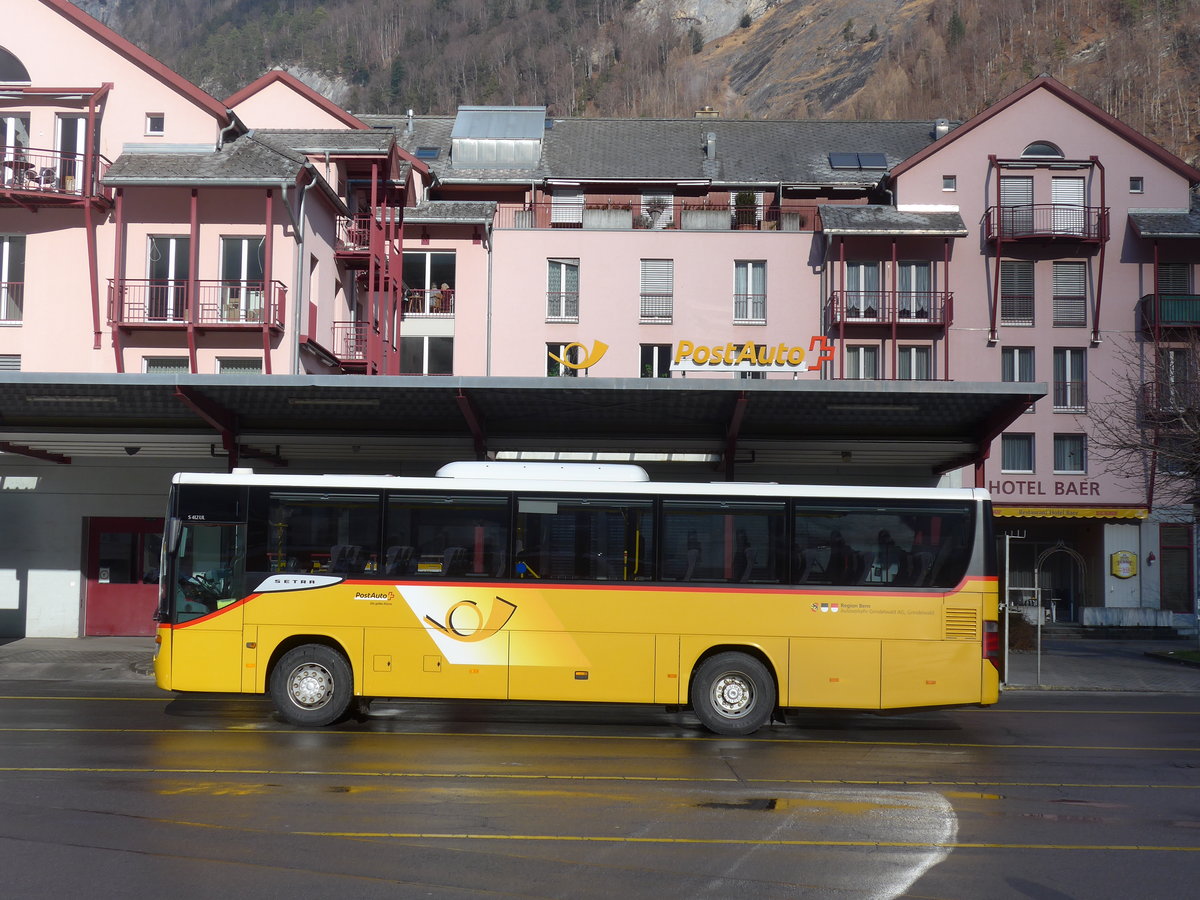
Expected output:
(733, 694)
(311, 686)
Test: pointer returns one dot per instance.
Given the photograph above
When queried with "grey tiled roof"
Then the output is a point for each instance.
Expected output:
(1153, 224)
(748, 152)
(244, 160)
(889, 220)
(321, 140)
(450, 211)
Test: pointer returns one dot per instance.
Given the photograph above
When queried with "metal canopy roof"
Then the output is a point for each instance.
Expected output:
(780, 430)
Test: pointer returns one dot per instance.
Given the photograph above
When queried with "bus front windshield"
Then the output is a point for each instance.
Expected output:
(206, 569)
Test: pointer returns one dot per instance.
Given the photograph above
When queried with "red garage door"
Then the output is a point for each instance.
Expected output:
(122, 576)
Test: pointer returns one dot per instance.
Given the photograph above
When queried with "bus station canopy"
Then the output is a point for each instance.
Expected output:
(763, 430)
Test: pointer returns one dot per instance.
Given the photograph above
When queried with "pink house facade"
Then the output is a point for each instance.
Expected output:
(149, 229)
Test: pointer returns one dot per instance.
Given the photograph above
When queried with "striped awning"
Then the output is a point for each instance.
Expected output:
(1071, 512)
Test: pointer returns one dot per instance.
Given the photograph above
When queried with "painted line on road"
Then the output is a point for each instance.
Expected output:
(532, 776)
(754, 842)
(542, 736)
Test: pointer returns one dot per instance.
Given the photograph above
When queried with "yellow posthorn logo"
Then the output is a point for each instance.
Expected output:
(465, 620)
(599, 348)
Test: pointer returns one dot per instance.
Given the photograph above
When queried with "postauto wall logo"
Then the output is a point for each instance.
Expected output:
(692, 357)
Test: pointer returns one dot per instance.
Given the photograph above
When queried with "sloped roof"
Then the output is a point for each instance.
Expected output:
(245, 160)
(747, 151)
(885, 220)
(1167, 224)
(286, 79)
(1087, 107)
(141, 58)
(449, 212)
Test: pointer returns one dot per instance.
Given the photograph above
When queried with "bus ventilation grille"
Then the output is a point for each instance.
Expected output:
(962, 625)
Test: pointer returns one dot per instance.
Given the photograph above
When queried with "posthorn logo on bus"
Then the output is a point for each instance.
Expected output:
(464, 621)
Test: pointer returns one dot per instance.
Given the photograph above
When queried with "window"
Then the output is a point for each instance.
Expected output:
(1069, 458)
(459, 536)
(1016, 452)
(1137, 184)
(12, 70)
(746, 208)
(302, 531)
(915, 363)
(656, 361)
(1175, 573)
(750, 292)
(239, 365)
(915, 297)
(1016, 365)
(1070, 379)
(711, 540)
(165, 365)
(863, 299)
(862, 362)
(1042, 150)
(14, 139)
(658, 209)
(12, 278)
(760, 352)
(949, 182)
(1174, 278)
(593, 539)
(10, 362)
(1016, 205)
(562, 290)
(428, 283)
(566, 208)
(1068, 197)
(657, 290)
(1016, 292)
(1175, 379)
(168, 267)
(242, 274)
(156, 124)
(424, 355)
(561, 359)
(1070, 293)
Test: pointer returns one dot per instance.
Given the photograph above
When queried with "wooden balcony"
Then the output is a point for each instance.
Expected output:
(1047, 223)
(35, 178)
(1171, 311)
(900, 308)
(181, 303)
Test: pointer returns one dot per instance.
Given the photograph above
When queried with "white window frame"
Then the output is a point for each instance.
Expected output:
(949, 182)
(1070, 392)
(911, 359)
(658, 209)
(568, 350)
(1016, 274)
(1080, 451)
(1017, 440)
(562, 301)
(153, 129)
(1069, 279)
(862, 362)
(12, 290)
(165, 365)
(750, 292)
(1137, 184)
(660, 359)
(657, 297)
(239, 365)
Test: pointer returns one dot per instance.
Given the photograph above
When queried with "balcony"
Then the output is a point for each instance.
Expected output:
(350, 342)
(1171, 311)
(1047, 222)
(168, 304)
(31, 177)
(1070, 396)
(353, 234)
(1170, 401)
(428, 304)
(900, 308)
(631, 214)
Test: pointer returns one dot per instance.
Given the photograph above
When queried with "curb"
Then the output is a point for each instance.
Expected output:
(1169, 657)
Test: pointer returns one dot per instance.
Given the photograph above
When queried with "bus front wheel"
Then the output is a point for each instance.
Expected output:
(733, 694)
(312, 685)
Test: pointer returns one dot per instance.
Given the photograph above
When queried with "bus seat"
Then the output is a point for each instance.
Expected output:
(345, 558)
(398, 560)
(454, 561)
(920, 564)
(693, 560)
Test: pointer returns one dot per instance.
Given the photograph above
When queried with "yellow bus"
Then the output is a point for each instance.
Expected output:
(549, 582)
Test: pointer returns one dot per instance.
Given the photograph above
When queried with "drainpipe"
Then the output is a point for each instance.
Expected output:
(296, 216)
(488, 350)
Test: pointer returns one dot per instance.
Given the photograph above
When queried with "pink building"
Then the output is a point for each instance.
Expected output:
(147, 228)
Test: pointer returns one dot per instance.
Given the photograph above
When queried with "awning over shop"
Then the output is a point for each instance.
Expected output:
(1071, 512)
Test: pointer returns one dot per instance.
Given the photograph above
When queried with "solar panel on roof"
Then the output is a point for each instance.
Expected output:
(843, 160)
(428, 152)
(872, 161)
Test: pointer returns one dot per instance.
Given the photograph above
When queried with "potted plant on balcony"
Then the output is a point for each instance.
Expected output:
(745, 210)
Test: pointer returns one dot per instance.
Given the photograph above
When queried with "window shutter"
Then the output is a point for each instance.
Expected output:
(566, 207)
(658, 288)
(1016, 292)
(1070, 293)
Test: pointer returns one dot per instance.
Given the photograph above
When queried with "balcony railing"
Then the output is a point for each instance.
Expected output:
(350, 341)
(1070, 396)
(167, 303)
(48, 172)
(749, 309)
(562, 306)
(657, 308)
(353, 233)
(890, 308)
(1047, 221)
(428, 304)
(1170, 399)
(1171, 310)
(630, 214)
(12, 301)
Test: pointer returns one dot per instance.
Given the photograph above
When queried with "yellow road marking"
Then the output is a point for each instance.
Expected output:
(517, 776)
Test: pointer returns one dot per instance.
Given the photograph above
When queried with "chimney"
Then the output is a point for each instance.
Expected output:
(710, 145)
(409, 129)
(707, 113)
(941, 128)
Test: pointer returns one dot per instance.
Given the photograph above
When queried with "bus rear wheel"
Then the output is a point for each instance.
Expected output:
(312, 685)
(733, 694)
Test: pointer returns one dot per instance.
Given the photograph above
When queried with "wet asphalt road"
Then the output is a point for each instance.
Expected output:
(120, 790)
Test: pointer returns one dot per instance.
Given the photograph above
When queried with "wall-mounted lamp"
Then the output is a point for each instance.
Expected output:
(424, 235)
(1150, 558)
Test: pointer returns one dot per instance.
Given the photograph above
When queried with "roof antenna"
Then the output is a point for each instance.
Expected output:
(410, 122)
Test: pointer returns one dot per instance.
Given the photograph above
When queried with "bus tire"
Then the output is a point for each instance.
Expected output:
(733, 694)
(312, 685)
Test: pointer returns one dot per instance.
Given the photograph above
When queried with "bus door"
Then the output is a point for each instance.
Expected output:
(121, 575)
